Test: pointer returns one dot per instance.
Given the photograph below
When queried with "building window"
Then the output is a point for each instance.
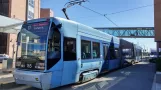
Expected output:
(96, 50)
(85, 49)
(4, 7)
(69, 49)
(30, 15)
(32, 3)
(3, 46)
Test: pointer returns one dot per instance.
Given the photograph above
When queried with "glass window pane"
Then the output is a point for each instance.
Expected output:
(69, 49)
(116, 53)
(127, 53)
(54, 47)
(3, 46)
(96, 50)
(105, 51)
(112, 52)
(85, 49)
(31, 44)
(4, 7)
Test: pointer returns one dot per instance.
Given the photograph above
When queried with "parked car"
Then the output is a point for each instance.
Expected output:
(153, 56)
(2, 57)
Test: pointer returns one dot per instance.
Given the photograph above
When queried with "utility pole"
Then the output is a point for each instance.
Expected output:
(71, 3)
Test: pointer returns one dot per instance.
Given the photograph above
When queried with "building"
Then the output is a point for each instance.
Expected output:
(16, 9)
(20, 9)
(157, 21)
(46, 12)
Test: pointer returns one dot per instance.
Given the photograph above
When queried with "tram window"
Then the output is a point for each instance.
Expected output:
(54, 48)
(127, 53)
(85, 49)
(105, 51)
(96, 50)
(116, 53)
(112, 53)
(69, 49)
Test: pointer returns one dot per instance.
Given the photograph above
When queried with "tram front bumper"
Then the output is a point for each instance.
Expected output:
(35, 79)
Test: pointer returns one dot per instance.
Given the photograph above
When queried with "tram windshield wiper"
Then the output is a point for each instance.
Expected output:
(30, 58)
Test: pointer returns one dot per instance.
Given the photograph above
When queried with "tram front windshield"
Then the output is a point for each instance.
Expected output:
(31, 46)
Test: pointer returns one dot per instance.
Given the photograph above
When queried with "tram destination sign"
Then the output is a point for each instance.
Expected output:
(40, 28)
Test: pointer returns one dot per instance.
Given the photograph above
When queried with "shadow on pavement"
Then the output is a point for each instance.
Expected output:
(14, 86)
(136, 77)
(9, 86)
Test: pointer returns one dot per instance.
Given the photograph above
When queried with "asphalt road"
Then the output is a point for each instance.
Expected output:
(137, 77)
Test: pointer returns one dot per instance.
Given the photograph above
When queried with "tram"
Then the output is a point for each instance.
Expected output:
(130, 52)
(53, 52)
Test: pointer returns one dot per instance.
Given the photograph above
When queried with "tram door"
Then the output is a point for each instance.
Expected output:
(105, 57)
(70, 62)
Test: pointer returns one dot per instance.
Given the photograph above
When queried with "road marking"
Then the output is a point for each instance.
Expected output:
(102, 84)
(114, 83)
(91, 88)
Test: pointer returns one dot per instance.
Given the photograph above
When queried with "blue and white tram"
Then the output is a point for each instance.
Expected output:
(54, 52)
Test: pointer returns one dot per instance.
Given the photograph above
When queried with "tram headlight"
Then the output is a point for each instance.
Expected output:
(36, 79)
(40, 66)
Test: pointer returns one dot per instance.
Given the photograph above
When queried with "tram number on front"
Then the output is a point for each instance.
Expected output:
(29, 65)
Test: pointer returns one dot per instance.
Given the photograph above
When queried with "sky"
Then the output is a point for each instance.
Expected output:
(142, 17)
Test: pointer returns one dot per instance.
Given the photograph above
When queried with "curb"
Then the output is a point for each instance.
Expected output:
(6, 76)
(3, 77)
(154, 84)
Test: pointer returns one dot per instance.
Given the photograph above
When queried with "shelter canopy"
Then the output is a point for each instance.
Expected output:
(9, 25)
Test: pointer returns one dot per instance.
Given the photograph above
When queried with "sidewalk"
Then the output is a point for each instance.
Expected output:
(157, 81)
(136, 77)
(5, 77)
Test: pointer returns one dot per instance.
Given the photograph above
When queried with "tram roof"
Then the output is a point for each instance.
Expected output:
(88, 29)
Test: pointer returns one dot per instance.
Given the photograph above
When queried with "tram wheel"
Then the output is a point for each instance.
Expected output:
(133, 62)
